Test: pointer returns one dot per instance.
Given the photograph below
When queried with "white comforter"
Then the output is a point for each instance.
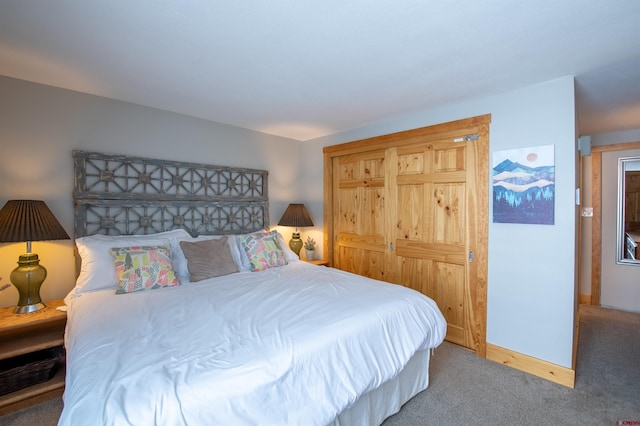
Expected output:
(292, 345)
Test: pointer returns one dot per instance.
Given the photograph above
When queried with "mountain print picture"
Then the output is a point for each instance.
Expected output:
(524, 186)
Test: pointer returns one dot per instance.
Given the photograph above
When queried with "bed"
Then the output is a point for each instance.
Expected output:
(250, 335)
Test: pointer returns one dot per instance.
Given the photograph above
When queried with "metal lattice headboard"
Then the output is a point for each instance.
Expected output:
(117, 194)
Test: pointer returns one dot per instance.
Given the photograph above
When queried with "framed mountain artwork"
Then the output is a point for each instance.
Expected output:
(523, 183)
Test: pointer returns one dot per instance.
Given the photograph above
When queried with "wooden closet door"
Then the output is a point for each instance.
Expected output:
(358, 214)
(411, 208)
(434, 220)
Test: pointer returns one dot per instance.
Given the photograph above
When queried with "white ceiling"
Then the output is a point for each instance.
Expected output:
(304, 69)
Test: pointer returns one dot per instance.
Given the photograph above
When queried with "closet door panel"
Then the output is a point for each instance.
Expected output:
(410, 216)
(448, 213)
(362, 262)
(447, 288)
(348, 213)
(359, 200)
(430, 236)
(371, 211)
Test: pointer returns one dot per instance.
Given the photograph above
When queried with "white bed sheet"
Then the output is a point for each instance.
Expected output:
(291, 345)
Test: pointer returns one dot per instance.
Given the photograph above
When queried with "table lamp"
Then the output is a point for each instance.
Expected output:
(295, 215)
(29, 220)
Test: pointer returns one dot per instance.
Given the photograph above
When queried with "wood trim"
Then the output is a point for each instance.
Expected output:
(537, 367)
(576, 337)
(584, 299)
(615, 147)
(596, 223)
(482, 242)
(407, 137)
(327, 246)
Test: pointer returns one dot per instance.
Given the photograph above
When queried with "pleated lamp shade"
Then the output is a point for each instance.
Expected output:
(29, 220)
(296, 215)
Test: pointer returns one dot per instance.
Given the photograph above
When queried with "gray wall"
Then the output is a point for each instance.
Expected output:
(40, 126)
(532, 275)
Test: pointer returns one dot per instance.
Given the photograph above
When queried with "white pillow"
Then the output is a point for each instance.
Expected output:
(97, 271)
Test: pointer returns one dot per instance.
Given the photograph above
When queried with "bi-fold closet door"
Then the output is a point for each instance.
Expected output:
(411, 208)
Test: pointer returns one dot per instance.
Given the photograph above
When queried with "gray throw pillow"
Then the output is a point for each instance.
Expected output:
(208, 258)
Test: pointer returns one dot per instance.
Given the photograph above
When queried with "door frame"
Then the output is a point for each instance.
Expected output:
(596, 223)
(475, 125)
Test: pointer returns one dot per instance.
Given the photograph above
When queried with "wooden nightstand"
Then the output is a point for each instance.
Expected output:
(318, 262)
(26, 333)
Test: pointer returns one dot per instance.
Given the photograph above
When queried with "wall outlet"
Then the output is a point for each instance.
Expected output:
(587, 212)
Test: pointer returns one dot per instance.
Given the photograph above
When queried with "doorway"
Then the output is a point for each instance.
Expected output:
(604, 269)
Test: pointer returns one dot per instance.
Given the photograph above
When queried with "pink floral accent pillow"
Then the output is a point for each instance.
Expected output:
(143, 268)
(262, 250)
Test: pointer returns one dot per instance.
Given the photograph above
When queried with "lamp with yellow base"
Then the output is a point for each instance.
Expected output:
(295, 215)
(29, 220)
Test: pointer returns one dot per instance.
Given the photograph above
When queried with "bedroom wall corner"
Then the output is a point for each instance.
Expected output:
(532, 268)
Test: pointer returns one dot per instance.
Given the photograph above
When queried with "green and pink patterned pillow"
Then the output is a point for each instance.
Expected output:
(143, 268)
(262, 250)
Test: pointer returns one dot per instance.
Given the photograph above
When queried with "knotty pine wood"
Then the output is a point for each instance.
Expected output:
(352, 173)
(544, 369)
(596, 224)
